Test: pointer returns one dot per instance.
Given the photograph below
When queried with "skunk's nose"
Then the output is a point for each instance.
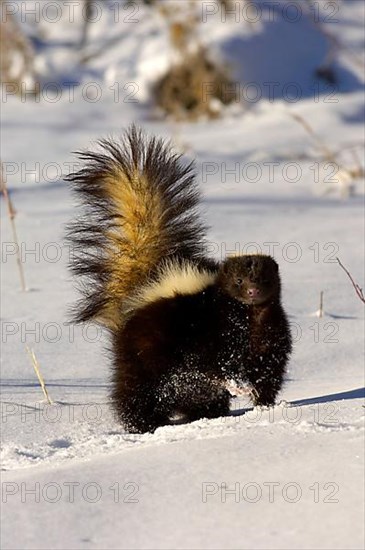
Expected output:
(253, 292)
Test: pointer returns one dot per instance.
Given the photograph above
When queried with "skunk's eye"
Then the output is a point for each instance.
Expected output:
(239, 281)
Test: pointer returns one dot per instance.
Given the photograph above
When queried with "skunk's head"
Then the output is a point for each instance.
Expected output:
(251, 279)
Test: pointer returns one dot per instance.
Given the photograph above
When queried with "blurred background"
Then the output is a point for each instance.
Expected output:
(98, 65)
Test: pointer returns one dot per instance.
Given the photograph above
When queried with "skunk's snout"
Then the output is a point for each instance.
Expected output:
(253, 292)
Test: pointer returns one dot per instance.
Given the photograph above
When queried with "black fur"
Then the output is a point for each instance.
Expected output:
(175, 355)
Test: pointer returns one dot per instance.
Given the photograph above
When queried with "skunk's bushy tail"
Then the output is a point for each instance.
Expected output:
(139, 209)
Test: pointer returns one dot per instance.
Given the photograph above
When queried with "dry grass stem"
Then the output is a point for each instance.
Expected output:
(345, 176)
(328, 154)
(12, 213)
(39, 375)
(320, 311)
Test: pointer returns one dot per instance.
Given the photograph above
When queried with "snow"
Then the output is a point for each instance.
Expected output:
(291, 477)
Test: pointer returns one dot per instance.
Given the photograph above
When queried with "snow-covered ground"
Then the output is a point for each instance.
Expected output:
(291, 477)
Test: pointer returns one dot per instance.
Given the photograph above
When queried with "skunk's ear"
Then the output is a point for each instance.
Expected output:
(275, 264)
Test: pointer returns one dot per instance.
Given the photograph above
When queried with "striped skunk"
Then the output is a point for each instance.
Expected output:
(182, 325)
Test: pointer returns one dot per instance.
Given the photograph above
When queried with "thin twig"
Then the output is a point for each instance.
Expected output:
(357, 288)
(12, 213)
(320, 312)
(39, 375)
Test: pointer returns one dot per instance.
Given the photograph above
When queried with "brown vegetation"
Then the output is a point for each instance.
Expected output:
(194, 88)
(17, 56)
